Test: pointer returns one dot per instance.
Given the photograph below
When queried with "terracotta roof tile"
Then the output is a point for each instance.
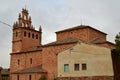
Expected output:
(35, 69)
(5, 72)
(65, 41)
(98, 40)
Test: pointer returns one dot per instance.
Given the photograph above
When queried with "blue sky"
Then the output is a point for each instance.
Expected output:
(55, 15)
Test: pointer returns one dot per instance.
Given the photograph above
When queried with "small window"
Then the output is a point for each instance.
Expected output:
(76, 67)
(33, 36)
(30, 60)
(18, 61)
(66, 67)
(30, 77)
(18, 78)
(16, 34)
(84, 67)
(36, 36)
(29, 34)
(25, 33)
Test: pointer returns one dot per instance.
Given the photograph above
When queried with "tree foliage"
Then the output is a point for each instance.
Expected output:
(117, 43)
(43, 78)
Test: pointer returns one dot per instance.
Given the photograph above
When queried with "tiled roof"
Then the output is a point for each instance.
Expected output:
(98, 40)
(5, 72)
(79, 27)
(36, 69)
(65, 41)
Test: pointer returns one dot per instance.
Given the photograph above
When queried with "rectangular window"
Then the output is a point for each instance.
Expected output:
(30, 77)
(18, 61)
(25, 33)
(18, 77)
(84, 67)
(30, 60)
(76, 67)
(66, 67)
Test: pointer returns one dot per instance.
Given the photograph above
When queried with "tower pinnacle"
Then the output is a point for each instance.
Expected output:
(24, 20)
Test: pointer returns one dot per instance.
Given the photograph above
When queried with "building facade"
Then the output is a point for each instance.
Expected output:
(4, 74)
(87, 61)
(30, 60)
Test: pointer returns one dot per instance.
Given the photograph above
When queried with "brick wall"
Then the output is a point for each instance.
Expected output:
(34, 76)
(79, 34)
(88, 78)
(49, 59)
(85, 34)
(22, 42)
(93, 34)
(24, 60)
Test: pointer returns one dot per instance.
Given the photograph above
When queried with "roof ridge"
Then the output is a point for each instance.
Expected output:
(79, 27)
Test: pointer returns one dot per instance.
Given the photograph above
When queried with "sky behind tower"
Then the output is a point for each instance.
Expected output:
(55, 15)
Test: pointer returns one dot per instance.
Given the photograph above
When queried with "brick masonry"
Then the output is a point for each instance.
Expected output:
(48, 55)
(49, 59)
(88, 78)
(86, 34)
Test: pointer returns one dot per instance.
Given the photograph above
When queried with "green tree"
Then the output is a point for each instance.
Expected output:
(117, 43)
(43, 78)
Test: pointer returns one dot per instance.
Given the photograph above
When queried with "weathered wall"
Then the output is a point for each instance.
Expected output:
(98, 61)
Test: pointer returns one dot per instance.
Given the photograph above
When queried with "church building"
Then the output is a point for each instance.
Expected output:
(79, 53)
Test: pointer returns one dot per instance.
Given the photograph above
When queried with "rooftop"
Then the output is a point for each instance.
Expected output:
(80, 27)
(35, 69)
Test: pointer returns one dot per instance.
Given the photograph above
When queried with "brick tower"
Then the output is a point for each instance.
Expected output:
(24, 34)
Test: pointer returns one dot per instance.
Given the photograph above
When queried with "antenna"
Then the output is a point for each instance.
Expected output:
(81, 20)
(26, 3)
(5, 23)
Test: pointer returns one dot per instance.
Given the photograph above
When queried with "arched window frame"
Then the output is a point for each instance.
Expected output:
(25, 33)
(33, 35)
(36, 36)
(29, 34)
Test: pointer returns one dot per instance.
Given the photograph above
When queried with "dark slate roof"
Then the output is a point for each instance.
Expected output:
(36, 69)
(80, 27)
(5, 71)
(65, 41)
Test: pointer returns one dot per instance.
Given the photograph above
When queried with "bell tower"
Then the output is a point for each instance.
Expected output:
(24, 34)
